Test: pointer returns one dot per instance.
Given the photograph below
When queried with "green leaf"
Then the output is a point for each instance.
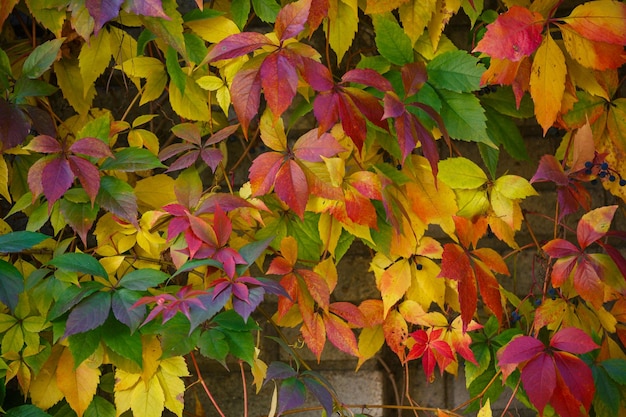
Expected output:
(42, 57)
(607, 390)
(240, 10)
(171, 31)
(100, 128)
(241, 345)
(616, 368)
(503, 100)
(482, 354)
(479, 384)
(50, 13)
(464, 117)
(490, 158)
(176, 73)
(307, 235)
(6, 73)
(122, 303)
(118, 197)
(456, 71)
(461, 173)
(100, 407)
(213, 345)
(266, 10)
(392, 42)
(503, 130)
(70, 296)
(18, 241)
(26, 87)
(11, 284)
(142, 279)
(132, 159)
(118, 338)
(83, 345)
(27, 410)
(230, 320)
(79, 262)
(196, 48)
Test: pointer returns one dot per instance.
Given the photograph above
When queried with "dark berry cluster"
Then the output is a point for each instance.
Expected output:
(487, 89)
(604, 172)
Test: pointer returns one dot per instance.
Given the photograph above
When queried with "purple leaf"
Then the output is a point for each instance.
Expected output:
(90, 313)
(222, 134)
(184, 161)
(311, 148)
(45, 144)
(87, 174)
(414, 76)
(279, 370)
(91, 147)
(317, 75)
(119, 198)
(237, 45)
(212, 157)
(152, 8)
(226, 202)
(320, 392)
(367, 77)
(14, 126)
(57, 178)
(550, 170)
(291, 394)
(121, 303)
(246, 307)
(42, 122)
(187, 131)
(102, 11)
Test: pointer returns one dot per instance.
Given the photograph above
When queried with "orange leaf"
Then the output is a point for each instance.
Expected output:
(547, 82)
(601, 21)
(396, 333)
(78, 384)
(340, 335)
(592, 54)
(394, 283)
(314, 335)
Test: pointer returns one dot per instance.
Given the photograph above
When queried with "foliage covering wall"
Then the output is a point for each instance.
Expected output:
(130, 250)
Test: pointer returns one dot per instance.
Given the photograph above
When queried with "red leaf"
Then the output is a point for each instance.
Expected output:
(587, 282)
(367, 77)
(489, 290)
(309, 147)
(222, 226)
(102, 11)
(314, 335)
(349, 312)
(393, 106)
(359, 208)
(573, 340)
(57, 178)
(539, 379)
(352, 120)
(45, 144)
(550, 170)
(578, 379)
(291, 187)
(319, 10)
(326, 110)
(559, 248)
(237, 45)
(263, 172)
(189, 132)
(246, 96)
(152, 8)
(221, 134)
(563, 402)
(600, 21)
(317, 286)
(340, 335)
(432, 350)
(87, 174)
(369, 106)
(455, 264)
(317, 75)
(519, 350)
(514, 35)
(291, 19)
(414, 76)
(91, 147)
(280, 81)
(594, 225)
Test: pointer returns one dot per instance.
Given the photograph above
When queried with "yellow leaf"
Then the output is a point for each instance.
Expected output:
(213, 29)
(74, 90)
(547, 82)
(191, 105)
(343, 22)
(122, 400)
(426, 287)
(330, 231)
(94, 58)
(152, 70)
(485, 410)
(371, 340)
(78, 384)
(514, 187)
(259, 370)
(394, 282)
(471, 202)
(151, 354)
(144, 138)
(586, 79)
(44, 391)
(210, 82)
(223, 99)
(377, 6)
(155, 191)
(444, 10)
(273, 131)
(328, 270)
(123, 46)
(415, 15)
(173, 391)
(4, 180)
(147, 400)
(125, 381)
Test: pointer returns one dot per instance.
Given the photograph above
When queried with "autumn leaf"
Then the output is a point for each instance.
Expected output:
(600, 21)
(77, 383)
(547, 82)
(432, 349)
(553, 375)
(514, 35)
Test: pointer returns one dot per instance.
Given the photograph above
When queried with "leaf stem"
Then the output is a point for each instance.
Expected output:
(245, 389)
(204, 385)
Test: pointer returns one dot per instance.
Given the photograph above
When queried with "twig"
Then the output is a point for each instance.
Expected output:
(206, 388)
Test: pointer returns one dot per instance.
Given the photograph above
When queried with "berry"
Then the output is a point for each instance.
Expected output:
(602, 174)
(419, 267)
(612, 178)
(587, 171)
(604, 166)
(552, 293)
(515, 316)
(622, 182)
(588, 164)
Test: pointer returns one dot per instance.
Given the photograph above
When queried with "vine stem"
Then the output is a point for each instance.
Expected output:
(204, 385)
(245, 389)
(481, 394)
(508, 404)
